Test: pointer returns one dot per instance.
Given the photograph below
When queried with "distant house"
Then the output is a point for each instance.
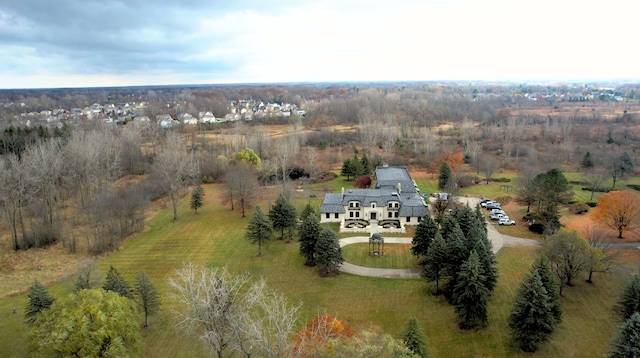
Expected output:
(393, 203)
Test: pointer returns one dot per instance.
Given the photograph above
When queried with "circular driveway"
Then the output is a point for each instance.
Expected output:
(497, 241)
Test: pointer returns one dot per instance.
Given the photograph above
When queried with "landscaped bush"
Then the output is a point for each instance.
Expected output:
(634, 186)
(501, 180)
(597, 190)
(537, 228)
(363, 182)
(592, 204)
(579, 208)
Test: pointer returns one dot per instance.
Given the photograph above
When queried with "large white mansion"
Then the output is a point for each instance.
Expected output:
(394, 202)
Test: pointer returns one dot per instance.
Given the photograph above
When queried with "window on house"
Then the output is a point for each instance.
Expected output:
(357, 214)
(327, 215)
(396, 205)
(390, 205)
(337, 216)
(408, 218)
(390, 214)
(351, 214)
(397, 214)
(373, 205)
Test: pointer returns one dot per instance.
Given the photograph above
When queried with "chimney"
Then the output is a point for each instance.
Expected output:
(343, 193)
(399, 189)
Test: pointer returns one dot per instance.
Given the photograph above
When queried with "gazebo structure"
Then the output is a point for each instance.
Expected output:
(376, 245)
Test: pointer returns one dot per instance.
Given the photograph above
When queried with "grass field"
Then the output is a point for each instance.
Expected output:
(215, 237)
(395, 256)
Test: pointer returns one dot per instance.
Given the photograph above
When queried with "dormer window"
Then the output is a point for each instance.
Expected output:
(354, 205)
(373, 205)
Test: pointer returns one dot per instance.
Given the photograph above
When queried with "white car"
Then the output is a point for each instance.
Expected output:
(497, 216)
(506, 221)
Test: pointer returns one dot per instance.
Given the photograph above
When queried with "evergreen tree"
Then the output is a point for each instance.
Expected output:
(435, 262)
(259, 230)
(328, 252)
(283, 216)
(38, 301)
(348, 170)
(308, 236)
(414, 340)
(425, 232)
(114, 282)
(82, 282)
(470, 294)
(630, 301)
(587, 161)
(531, 320)
(488, 263)
(626, 343)
(308, 210)
(146, 296)
(480, 216)
(444, 177)
(457, 254)
(543, 267)
(366, 164)
(197, 198)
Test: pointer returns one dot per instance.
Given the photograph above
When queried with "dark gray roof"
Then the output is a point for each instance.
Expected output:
(411, 204)
(389, 177)
(332, 203)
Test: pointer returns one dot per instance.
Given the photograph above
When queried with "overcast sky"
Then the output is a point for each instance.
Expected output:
(81, 43)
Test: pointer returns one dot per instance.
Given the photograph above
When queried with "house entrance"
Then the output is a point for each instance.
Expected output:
(373, 216)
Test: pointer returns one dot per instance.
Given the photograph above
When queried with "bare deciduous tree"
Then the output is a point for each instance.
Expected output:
(177, 167)
(13, 191)
(241, 187)
(231, 315)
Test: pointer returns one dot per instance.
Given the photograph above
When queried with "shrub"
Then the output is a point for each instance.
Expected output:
(501, 180)
(597, 190)
(537, 228)
(634, 186)
(363, 182)
(592, 204)
(579, 208)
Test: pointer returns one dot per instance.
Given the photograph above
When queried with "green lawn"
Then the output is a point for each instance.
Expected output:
(215, 237)
(395, 256)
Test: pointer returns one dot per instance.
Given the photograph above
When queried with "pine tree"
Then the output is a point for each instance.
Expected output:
(425, 232)
(259, 230)
(489, 265)
(550, 283)
(308, 210)
(328, 252)
(348, 170)
(435, 262)
(283, 216)
(197, 198)
(39, 300)
(587, 161)
(444, 177)
(470, 295)
(414, 340)
(82, 282)
(146, 296)
(630, 301)
(114, 282)
(627, 342)
(457, 254)
(531, 320)
(308, 236)
(366, 164)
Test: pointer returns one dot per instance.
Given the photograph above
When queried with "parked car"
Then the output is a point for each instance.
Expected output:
(485, 203)
(493, 206)
(497, 211)
(497, 216)
(506, 221)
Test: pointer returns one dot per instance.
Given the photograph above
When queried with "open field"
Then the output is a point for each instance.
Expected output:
(395, 256)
